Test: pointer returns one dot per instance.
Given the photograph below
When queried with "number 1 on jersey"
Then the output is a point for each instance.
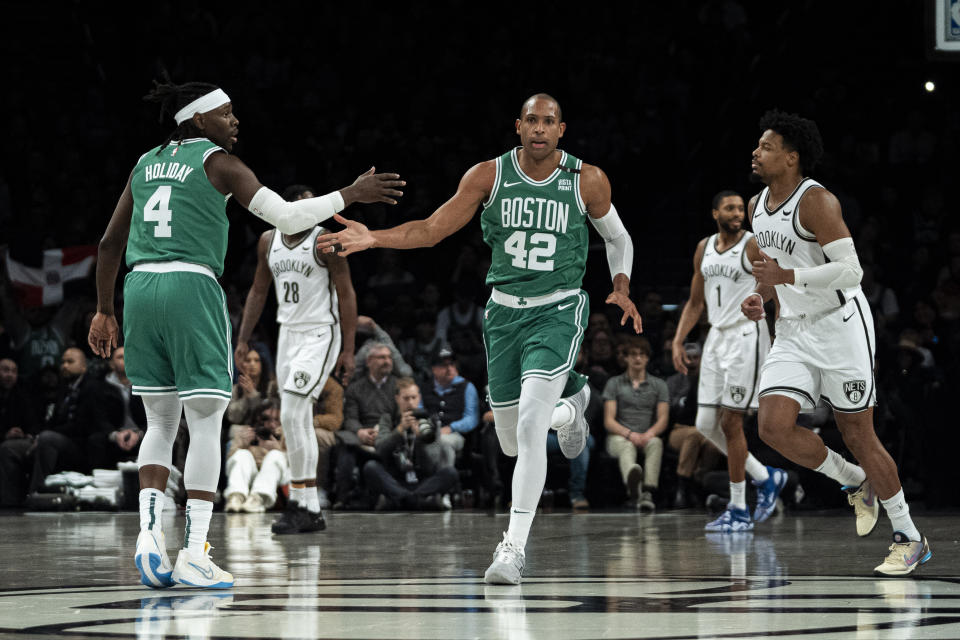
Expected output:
(157, 210)
(719, 304)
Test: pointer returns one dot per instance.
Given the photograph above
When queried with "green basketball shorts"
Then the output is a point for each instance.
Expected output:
(533, 338)
(176, 332)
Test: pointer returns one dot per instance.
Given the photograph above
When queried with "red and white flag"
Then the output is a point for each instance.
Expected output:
(43, 285)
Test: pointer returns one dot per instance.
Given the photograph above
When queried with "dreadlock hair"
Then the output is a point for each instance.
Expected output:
(173, 97)
(799, 134)
(717, 199)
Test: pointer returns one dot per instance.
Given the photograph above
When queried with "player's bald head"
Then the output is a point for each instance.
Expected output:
(532, 100)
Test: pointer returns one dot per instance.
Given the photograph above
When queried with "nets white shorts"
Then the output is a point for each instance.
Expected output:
(827, 356)
(730, 366)
(306, 357)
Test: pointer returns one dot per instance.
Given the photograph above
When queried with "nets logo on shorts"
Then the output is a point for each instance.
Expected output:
(855, 390)
(300, 379)
(738, 393)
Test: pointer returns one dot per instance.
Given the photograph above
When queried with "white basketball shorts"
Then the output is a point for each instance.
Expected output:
(306, 357)
(827, 356)
(730, 366)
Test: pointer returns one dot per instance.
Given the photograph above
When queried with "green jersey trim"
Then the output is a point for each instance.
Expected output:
(528, 179)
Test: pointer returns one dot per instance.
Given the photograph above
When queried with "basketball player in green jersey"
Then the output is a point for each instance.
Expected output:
(172, 218)
(536, 200)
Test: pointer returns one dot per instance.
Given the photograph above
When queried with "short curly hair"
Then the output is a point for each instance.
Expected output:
(799, 134)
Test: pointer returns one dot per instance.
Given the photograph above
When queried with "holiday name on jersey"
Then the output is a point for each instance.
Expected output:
(538, 213)
(776, 240)
(284, 266)
(161, 170)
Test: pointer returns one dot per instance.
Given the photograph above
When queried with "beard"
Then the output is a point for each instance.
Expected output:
(730, 228)
(754, 178)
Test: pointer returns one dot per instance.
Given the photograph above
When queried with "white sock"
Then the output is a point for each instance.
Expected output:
(899, 514)
(562, 414)
(313, 499)
(756, 469)
(844, 472)
(738, 494)
(198, 523)
(299, 496)
(520, 523)
(151, 506)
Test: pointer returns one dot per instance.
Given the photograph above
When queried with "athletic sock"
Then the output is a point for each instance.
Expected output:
(562, 414)
(151, 506)
(298, 495)
(313, 500)
(899, 514)
(844, 472)
(738, 494)
(756, 469)
(520, 523)
(198, 523)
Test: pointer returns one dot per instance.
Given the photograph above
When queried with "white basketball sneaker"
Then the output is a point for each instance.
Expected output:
(152, 560)
(200, 571)
(507, 566)
(572, 435)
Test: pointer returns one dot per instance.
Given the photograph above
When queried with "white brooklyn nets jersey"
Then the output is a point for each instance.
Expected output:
(306, 296)
(727, 280)
(780, 236)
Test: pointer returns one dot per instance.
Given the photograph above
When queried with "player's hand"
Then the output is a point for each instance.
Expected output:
(346, 364)
(752, 307)
(766, 271)
(629, 310)
(240, 355)
(356, 237)
(680, 360)
(374, 187)
(103, 334)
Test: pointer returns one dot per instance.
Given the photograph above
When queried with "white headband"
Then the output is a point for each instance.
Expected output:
(212, 100)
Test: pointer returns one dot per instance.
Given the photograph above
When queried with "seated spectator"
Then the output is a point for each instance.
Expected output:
(636, 410)
(367, 402)
(253, 387)
(366, 325)
(85, 406)
(602, 355)
(327, 420)
(107, 449)
(18, 430)
(404, 476)
(419, 349)
(256, 462)
(697, 455)
(453, 402)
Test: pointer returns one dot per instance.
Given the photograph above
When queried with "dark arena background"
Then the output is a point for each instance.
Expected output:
(665, 97)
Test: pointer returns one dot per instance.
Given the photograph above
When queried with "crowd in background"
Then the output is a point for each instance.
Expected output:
(669, 113)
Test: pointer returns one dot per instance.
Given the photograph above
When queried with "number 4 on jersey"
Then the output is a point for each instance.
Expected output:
(157, 210)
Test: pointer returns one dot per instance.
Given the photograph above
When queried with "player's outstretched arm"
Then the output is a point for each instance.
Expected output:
(475, 187)
(104, 331)
(595, 191)
(692, 310)
(230, 175)
(256, 298)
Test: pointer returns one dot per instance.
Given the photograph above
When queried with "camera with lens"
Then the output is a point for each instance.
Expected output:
(429, 425)
(264, 433)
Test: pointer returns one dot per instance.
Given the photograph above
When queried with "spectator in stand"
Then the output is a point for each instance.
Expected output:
(368, 401)
(107, 449)
(256, 462)
(453, 401)
(18, 430)
(253, 387)
(419, 349)
(403, 475)
(327, 420)
(636, 410)
(379, 337)
(697, 455)
(602, 355)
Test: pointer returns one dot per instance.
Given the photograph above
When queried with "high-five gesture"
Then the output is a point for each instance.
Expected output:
(374, 187)
(356, 237)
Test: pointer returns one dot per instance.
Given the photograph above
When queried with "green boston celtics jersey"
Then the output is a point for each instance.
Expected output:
(536, 229)
(177, 213)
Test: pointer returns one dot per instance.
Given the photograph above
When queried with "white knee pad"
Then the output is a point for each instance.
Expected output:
(163, 420)
(204, 420)
(708, 423)
(505, 421)
(296, 416)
